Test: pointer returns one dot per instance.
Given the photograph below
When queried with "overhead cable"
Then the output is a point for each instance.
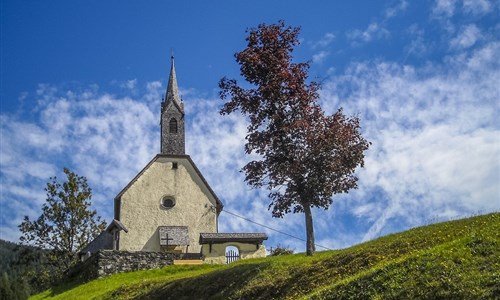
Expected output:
(270, 228)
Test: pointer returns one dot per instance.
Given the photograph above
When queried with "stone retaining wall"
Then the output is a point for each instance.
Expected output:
(107, 262)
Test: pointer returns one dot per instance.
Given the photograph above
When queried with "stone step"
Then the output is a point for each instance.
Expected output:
(188, 262)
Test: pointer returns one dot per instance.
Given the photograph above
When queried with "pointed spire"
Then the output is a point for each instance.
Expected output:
(172, 93)
(172, 118)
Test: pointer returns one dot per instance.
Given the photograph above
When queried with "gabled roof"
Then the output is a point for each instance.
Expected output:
(214, 238)
(176, 104)
(116, 224)
(103, 241)
(188, 158)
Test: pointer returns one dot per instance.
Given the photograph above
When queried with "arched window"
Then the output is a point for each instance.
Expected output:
(172, 125)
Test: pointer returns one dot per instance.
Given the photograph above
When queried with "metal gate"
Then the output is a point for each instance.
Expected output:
(231, 256)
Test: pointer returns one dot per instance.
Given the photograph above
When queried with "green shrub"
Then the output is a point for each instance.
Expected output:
(280, 250)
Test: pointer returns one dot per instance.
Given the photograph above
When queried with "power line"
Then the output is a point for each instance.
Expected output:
(270, 228)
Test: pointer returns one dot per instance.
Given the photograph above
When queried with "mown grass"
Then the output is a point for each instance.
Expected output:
(452, 260)
(126, 285)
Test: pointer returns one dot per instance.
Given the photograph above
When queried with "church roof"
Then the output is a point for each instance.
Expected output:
(195, 168)
(116, 224)
(103, 241)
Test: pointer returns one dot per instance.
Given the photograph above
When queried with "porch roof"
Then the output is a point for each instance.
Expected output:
(215, 238)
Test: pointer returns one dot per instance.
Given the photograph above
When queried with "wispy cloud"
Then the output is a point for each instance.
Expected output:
(109, 140)
(434, 155)
(325, 41)
(417, 45)
(433, 127)
(374, 31)
(435, 137)
(377, 30)
(477, 7)
(322, 47)
(466, 37)
(92, 133)
(444, 8)
(396, 10)
(320, 57)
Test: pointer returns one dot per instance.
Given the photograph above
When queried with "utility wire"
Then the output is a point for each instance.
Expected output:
(270, 228)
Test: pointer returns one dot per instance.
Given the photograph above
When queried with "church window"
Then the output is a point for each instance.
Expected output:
(172, 125)
(168, 202)
(175, 165)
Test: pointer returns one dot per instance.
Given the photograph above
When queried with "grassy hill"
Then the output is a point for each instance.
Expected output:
(452, 260)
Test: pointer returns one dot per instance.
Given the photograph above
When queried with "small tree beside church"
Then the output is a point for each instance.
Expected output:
(307, 156)
(66, 224)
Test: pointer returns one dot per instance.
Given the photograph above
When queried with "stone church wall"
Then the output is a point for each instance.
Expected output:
(107, 262)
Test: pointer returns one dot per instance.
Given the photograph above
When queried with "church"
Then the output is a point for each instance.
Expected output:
(169, 206)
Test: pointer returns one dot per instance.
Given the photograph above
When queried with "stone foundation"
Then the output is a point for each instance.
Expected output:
(107, 262)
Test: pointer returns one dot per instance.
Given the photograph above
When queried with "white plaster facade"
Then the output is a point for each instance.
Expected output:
(216, 254)
(139, 207)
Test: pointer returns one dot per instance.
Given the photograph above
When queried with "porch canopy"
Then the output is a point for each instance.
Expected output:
(221, 238)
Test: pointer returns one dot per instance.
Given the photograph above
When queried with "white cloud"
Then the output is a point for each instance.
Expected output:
(466, 38)
(477, 7)
(444, 8)
(374, 31)
(109, 139)
(397, 9)
(434, 154)
(435, 138)
(325, 41)
(130, 84)
(104, 138)
(434, 129)
(320, 57)
(417, 45)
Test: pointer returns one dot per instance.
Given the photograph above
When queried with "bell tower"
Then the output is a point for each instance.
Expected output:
(173, 138)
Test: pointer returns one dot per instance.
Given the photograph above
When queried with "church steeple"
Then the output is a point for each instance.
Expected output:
(172, 93)
(172, 118)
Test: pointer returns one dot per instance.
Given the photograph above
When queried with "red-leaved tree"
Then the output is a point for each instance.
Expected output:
(306, 156)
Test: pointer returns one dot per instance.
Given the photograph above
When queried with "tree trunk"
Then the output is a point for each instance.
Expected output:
(310, 247)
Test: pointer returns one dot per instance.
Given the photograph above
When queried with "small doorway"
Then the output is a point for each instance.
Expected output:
(232, 254)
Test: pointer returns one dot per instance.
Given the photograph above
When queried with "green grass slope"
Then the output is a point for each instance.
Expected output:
(452, 260)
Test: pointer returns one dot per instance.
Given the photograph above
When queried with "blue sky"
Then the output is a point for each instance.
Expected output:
(82, 81)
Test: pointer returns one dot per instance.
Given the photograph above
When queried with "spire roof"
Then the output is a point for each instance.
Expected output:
(172, 93)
